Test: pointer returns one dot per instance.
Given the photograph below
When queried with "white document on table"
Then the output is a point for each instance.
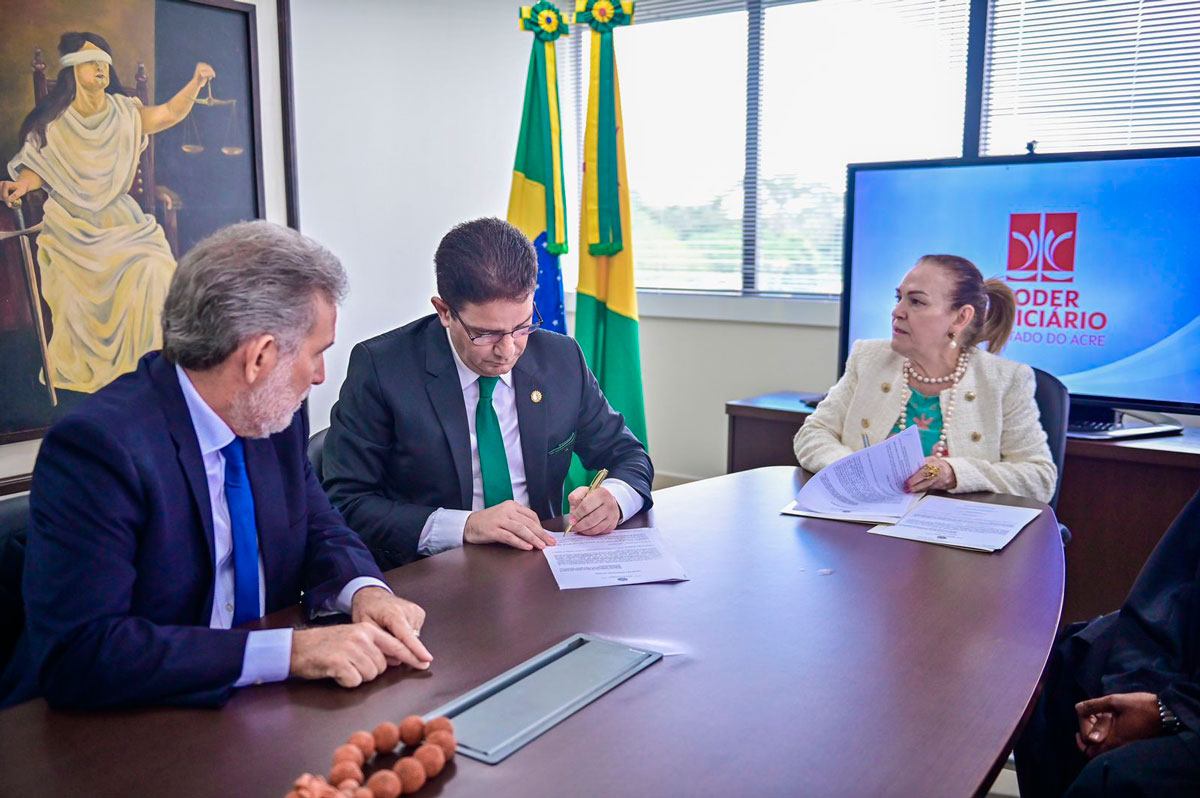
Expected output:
(622, 557)
(866, 486)
(955, 522)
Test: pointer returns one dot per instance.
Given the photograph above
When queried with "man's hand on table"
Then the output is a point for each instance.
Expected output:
(400, 618)
(384, 633)
(509, 523)
(1111, 721)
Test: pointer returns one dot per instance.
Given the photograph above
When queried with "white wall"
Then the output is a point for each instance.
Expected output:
(691, 368)
(422, 138)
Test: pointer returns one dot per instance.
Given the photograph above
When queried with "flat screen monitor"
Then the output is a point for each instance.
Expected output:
(1101, 249)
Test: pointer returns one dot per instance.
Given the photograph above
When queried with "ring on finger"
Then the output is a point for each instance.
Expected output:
(931, 471)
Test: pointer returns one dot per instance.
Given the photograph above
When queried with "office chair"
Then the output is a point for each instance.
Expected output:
(14, 528)
(316, 452)
(1054, 405)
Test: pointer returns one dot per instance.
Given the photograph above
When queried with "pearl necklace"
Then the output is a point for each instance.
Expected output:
(940, 449)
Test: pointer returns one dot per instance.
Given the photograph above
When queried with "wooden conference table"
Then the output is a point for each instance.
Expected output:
(905, 671)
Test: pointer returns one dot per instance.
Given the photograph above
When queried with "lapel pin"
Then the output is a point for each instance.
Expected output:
(536, 397)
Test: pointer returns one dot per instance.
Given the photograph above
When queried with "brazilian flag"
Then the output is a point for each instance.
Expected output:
(606, 314)
(535, 204)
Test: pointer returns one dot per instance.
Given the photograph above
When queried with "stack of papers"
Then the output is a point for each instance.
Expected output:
(622, 557)
(867, 486)
(967, 525)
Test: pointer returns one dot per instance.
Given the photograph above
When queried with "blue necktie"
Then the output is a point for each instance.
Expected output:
(245, 534)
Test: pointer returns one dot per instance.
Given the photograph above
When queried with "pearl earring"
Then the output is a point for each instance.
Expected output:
(953, 343)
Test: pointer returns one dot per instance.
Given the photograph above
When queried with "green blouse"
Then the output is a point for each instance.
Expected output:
(926, 413)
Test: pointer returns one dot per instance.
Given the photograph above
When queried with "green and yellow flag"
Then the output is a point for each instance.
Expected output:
(536, 203)
(606, 315)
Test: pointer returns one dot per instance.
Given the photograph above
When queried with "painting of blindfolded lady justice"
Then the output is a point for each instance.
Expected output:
(106, 188)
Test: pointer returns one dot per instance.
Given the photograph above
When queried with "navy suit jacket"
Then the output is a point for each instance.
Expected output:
(399, 448)
(119, 569)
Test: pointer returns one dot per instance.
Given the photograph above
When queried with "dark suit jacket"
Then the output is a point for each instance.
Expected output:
(1153, 644)
(399, 447)
(119, 570)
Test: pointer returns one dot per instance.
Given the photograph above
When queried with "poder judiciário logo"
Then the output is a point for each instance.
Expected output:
(1041, 246)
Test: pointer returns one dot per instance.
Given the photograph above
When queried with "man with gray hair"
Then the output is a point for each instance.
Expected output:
(177, 504)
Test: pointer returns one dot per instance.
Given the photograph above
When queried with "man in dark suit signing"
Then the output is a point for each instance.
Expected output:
(459, 427)
(178, 502)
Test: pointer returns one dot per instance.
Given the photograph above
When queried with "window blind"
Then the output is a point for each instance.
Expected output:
(683, 98)
(830, 82)
(846, 81)
(1091, 75)
(659, 10)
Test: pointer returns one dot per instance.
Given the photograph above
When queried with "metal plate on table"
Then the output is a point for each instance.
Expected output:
(503, 714)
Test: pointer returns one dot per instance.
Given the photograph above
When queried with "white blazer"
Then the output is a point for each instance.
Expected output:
(995, 437)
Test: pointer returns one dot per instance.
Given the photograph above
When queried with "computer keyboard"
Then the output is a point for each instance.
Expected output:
(1117, 430)
(1093, 426)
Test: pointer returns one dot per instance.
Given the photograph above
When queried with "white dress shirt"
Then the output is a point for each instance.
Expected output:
(444, 528)
(268, 652)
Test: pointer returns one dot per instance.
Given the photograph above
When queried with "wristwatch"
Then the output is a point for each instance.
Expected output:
(1170, 722)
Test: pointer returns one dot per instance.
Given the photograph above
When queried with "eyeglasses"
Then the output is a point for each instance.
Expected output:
(492, 338)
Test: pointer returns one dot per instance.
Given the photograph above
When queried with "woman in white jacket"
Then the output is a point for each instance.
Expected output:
(975, 411)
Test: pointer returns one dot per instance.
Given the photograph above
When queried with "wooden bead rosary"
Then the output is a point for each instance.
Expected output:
(408, 775)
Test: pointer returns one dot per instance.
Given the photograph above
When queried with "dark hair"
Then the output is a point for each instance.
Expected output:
(994, 302)
(244, 280)
(485, 260)
(53, 104)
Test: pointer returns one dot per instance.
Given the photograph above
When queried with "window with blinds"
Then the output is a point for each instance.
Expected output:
(847, 81)
(683, 98)
(776, 97)
(741, 115)
(1091, 75)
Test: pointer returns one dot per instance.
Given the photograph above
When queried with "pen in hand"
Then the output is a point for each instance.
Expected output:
(600, 477)
(866, 441)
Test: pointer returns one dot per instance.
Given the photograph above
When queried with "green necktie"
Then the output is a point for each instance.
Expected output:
(493, 464)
